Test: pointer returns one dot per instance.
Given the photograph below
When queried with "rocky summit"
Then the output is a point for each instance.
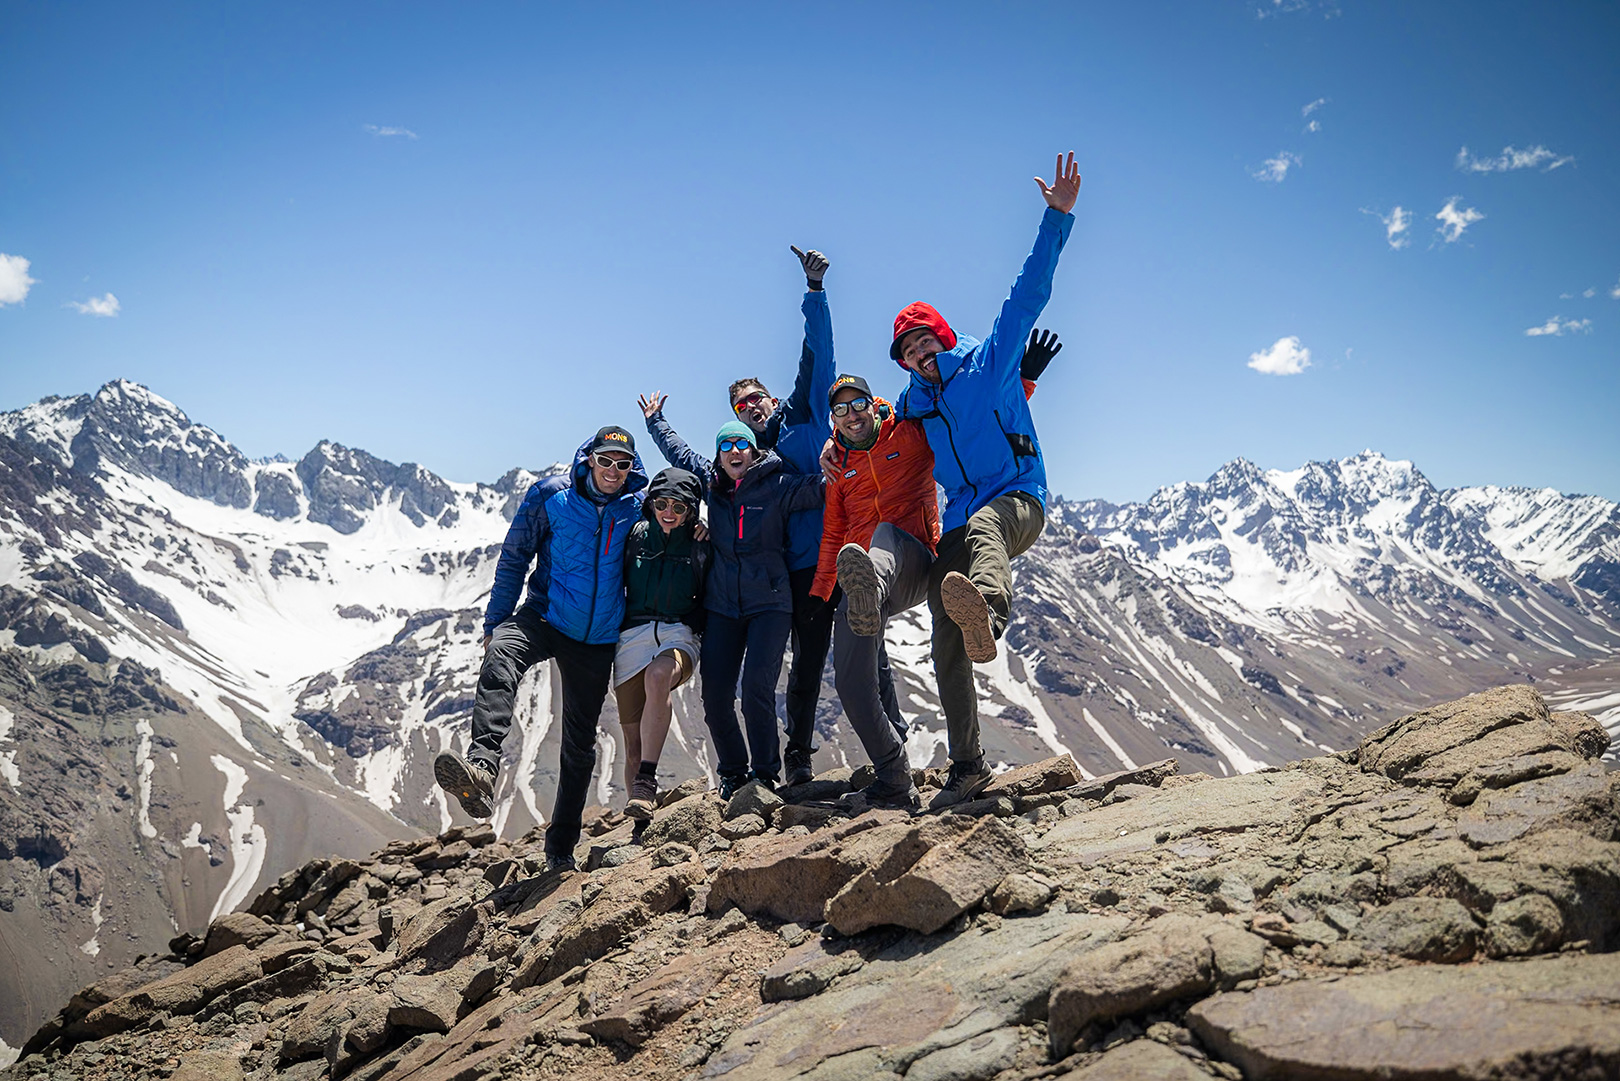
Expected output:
(1440, 901)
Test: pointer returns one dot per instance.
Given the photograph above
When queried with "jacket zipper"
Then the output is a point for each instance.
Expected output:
(950, 437)
(596, 571)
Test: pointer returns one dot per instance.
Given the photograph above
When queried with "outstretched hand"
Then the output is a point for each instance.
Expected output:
(814, 263)
(1065, 187)
(652, 403)
(1043, 346)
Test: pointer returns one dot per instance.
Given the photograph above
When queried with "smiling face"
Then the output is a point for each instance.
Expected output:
(855, 425)
(610, 477)
(735, 460)
(753, 405)
(669, 513)
(917, 351)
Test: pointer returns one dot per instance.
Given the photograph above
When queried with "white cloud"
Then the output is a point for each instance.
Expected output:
(1285, 357)
(1275, 170)
(1512, 158)
(1558, 326)
(375, 130)
(1453, 221)
(1589, 294)
(1313, 127)
(1615, 292)
(14, 279)
(1396, 225)
(1313, 106)
(106, 306)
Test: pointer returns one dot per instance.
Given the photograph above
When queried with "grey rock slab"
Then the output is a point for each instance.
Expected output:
(971, 1060)
(687, 821)
(753, 798)
(950, 878)
(1549, 1018)
(1579, 873)
(810, 967)
(1269, 803)
(1524, 925)
(920, 995)
(1511, 771)
(1582, 799)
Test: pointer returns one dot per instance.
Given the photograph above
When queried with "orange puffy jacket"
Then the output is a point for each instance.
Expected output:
(891, 482)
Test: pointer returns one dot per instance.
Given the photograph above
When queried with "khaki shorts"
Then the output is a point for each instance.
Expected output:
(639, 645)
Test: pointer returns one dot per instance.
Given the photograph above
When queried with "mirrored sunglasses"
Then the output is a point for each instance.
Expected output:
(621, 464)
(860, 405)
(739, 443)
(749, 400)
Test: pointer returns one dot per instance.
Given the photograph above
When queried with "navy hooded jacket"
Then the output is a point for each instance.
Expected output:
(977, 418)
(577, 547)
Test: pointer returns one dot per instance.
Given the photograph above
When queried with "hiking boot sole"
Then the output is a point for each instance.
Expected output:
(859, 580)
(967, 608)
(455, 776)
(639, 809)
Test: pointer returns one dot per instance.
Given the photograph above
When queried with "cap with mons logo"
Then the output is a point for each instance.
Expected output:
(613, 438)
(848, 381)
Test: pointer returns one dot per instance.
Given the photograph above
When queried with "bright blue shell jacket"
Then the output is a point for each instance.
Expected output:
(800, 427)
(977, 418)
(577, 548)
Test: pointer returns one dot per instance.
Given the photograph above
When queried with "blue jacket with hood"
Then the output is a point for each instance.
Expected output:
(977, 417)
(575, 539)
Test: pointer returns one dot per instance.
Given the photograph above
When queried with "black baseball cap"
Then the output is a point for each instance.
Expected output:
(613, 437)
(848, 381)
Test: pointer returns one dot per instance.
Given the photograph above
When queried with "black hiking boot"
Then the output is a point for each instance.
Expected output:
(471, 784)
(797, 764)
(965, 780)
(730, 782)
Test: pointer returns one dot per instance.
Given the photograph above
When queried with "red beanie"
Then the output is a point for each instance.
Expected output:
(915, 316)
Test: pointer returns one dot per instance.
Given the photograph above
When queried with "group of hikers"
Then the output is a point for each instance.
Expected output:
(824, 522)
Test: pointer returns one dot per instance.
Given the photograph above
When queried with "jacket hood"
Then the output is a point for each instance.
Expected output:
(582, 468)
(917, 316)
(673, 483)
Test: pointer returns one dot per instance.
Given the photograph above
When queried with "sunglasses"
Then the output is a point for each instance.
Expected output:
(739, 443)
(749, 401)
(860, 405)
(676, 505)
(621, 464)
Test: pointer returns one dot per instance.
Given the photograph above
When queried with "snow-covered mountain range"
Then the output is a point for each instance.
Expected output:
(213, 668)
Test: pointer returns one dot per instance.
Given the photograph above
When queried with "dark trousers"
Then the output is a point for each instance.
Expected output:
(983, 550)
(752, 647)
(812, 636)
(516, 646)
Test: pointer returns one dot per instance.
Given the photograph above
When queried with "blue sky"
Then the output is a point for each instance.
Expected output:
(467, 235)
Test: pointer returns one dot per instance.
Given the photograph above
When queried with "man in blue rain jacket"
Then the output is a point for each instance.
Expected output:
(573, 530)
(971, 399)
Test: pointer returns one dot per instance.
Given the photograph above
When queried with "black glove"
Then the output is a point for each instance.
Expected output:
(814, 264)
(1043, 346)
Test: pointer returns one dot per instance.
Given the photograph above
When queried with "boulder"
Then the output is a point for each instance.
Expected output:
(1577, 872)
(954, 875)
(808, 968)
(736, 829)
(1420, 928)
(184, 992)
(662, 997)
(792, 878)
(1550, 1018)
(1035, 778)
(1019, 892)
(639, 894)
(1170, 958)
(427, 1003)
(753, 798)
(1509, 772)
(1582, 734)
(687, 821)
(238, 929)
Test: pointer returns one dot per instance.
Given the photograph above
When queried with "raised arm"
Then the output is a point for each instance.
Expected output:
(807, 403)
(670, 444)
(529, 529)
(1033, 288)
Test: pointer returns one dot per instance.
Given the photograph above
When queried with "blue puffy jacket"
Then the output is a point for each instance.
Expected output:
(977, 418)
(577, 547)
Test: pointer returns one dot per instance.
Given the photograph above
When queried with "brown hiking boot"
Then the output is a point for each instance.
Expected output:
(643, 799)
(967, 608)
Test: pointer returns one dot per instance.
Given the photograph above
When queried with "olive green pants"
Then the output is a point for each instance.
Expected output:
(983, 550)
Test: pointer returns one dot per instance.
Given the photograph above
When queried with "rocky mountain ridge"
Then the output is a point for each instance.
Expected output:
(213, 669)
(1438, 901)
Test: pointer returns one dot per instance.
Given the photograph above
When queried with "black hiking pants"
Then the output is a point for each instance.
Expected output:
(811, 639)
(516, 646)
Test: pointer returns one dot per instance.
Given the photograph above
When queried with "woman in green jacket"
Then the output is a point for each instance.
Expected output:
(664, 564)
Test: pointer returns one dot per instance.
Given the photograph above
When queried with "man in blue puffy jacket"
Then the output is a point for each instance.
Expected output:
(796, 430)
(971, 401)
(573, 530)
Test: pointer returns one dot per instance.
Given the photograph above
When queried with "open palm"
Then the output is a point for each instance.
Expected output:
(1065, 187)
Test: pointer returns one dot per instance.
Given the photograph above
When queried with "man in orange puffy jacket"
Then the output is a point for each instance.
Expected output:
(879, 528)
